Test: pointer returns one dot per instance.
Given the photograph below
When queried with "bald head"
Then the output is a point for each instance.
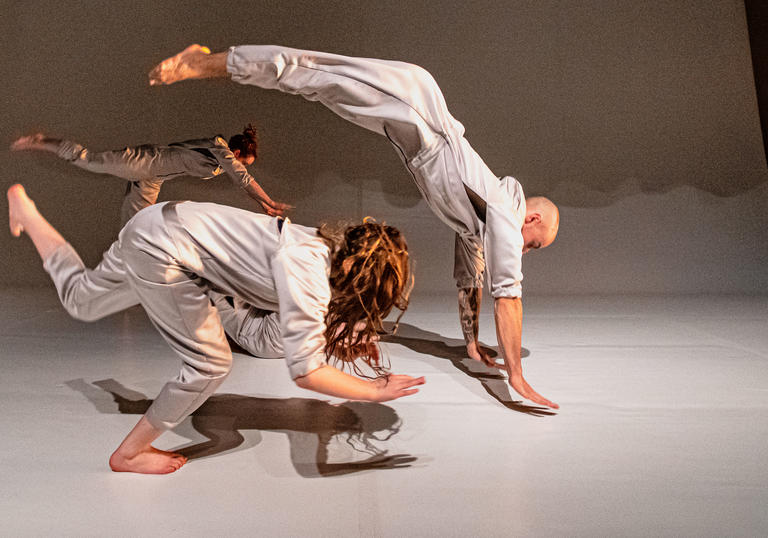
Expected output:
(542, 220)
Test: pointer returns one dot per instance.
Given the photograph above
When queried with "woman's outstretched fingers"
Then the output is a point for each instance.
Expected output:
(397, 386)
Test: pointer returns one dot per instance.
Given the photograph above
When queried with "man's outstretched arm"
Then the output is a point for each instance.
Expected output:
(508, 312)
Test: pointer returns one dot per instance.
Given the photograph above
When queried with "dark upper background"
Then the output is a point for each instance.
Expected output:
(638, 118)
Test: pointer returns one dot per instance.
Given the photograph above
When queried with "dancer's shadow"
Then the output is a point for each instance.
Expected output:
(310, 425)
(453, 349)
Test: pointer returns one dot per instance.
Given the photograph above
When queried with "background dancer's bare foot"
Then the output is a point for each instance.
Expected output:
(189, 63)
(35, 141)
(150, 461)
(20, 206)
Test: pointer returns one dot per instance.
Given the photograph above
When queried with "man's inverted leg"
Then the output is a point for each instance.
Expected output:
(395, 99)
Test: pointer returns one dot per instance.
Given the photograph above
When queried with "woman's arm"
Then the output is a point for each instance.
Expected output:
(333, 382)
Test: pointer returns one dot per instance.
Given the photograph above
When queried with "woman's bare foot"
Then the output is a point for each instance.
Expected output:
(34, 141)
(189, 63)
(149, 461)
(20, 208)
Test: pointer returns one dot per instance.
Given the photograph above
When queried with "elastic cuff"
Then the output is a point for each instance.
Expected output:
(303, 369)
(507, 292)
(156, 422)
(56, 259)
(70, 151)
(231, 68)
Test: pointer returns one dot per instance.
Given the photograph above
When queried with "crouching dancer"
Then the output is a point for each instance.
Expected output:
(331, 290)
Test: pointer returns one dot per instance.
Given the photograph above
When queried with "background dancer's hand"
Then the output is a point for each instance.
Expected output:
(393, 386)
(275, 209)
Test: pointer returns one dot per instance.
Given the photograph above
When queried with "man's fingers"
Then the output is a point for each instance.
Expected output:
(536, 398)
(525, 390)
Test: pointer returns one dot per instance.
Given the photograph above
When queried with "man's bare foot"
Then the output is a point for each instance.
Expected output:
(35, 141)
(186, 64)
(20, 208)
(150, 461)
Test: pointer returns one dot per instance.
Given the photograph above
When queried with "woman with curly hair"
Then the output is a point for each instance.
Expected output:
(331, 291)
(146, 167)
(257, 330)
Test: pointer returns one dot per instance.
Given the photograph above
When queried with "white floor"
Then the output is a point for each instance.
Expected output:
(662, 430)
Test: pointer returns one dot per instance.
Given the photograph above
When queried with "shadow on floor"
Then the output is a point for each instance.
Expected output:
(454, 350)
(310, 425)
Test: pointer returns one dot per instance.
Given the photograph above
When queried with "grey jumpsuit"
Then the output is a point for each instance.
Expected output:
(402, 102)
(254, 329)
(148, 166)
(169, 256)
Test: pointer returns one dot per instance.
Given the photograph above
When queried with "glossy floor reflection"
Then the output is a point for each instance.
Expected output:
(661, 432)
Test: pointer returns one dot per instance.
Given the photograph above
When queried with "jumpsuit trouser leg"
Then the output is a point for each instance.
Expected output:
(255, 330)
(133, 164)
(143, 267)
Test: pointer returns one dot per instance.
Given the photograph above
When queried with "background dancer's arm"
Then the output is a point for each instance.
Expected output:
(508, 312)
(272, 208)
(238, 173)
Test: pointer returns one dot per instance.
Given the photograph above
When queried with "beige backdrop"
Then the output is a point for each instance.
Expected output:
(638, 118)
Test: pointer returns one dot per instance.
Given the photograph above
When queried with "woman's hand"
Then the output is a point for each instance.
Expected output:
(393, 386)
(275, 209)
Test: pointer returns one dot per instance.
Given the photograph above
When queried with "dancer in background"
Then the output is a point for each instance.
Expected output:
(146, 167)
(494, 223)
(332, 289)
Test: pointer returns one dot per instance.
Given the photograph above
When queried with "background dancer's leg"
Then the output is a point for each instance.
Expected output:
(138, 195)
(395, 99)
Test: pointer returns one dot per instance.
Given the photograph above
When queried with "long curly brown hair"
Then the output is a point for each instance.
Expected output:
(370, 274)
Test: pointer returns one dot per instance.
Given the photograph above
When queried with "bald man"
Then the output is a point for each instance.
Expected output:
(494, 223)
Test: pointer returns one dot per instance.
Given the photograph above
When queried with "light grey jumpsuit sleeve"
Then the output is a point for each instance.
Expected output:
(301, 268)
(402, 102)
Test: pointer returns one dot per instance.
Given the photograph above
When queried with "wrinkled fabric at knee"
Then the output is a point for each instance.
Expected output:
(89, 294)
